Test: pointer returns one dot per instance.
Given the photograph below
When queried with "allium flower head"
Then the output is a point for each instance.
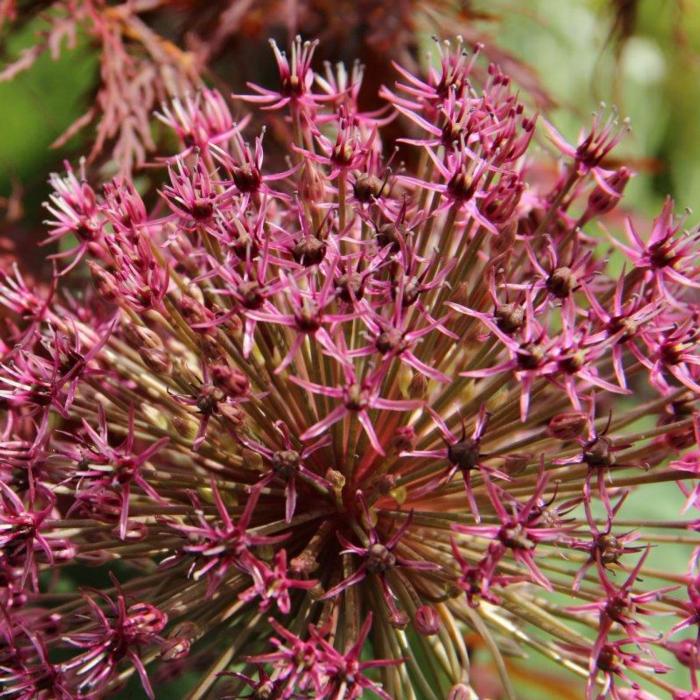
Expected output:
(326, 419)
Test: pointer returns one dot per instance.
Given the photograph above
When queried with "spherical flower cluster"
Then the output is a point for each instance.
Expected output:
(326, 415)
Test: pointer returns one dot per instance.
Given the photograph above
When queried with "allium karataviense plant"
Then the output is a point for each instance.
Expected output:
(325, 420)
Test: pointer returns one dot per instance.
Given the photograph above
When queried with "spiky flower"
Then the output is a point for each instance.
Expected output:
(324, 416)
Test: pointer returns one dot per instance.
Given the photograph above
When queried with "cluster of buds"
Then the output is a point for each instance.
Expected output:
(326, 418)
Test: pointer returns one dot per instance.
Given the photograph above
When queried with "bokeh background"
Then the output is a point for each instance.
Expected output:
(641, 57)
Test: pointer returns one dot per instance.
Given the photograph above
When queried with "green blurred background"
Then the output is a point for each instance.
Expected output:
(649, 70)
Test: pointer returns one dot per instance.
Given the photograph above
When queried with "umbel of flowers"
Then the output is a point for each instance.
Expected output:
(321, 419)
